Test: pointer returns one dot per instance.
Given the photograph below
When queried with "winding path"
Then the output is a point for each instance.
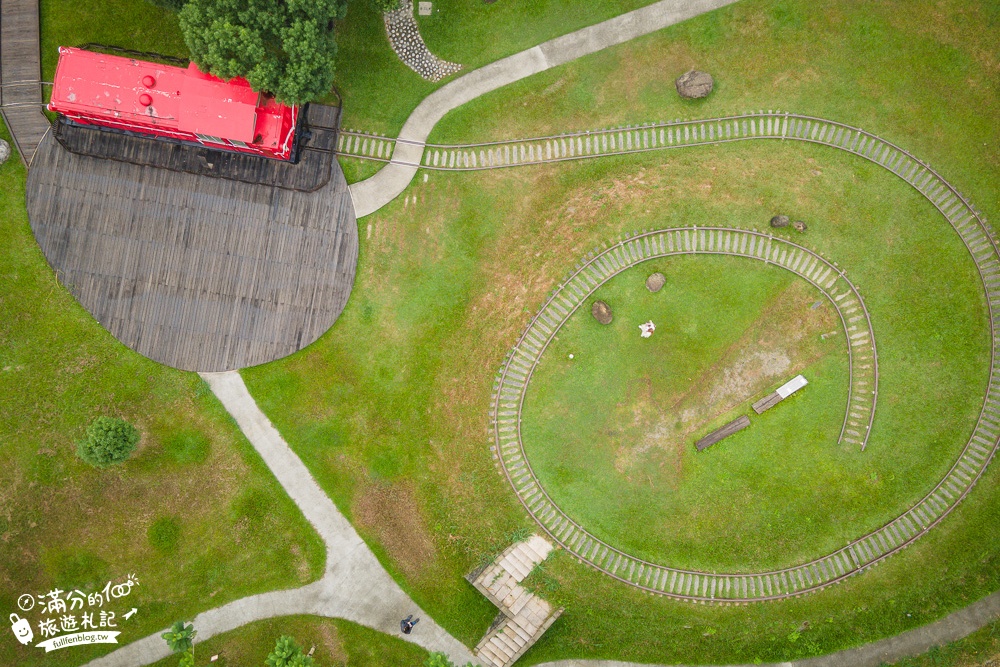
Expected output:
(354, 585)
(373, 193)
(405, 40)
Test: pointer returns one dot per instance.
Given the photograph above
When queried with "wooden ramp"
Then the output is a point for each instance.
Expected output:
(20, 74)
(196, 272)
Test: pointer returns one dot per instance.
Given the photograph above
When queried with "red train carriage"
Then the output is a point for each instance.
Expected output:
(165, 101)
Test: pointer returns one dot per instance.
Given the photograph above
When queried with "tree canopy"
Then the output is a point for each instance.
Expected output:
(284, 47)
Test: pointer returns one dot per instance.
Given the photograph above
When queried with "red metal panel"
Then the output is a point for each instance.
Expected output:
(217, 108)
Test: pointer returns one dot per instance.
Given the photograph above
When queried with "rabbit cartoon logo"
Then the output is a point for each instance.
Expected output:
(22, 629)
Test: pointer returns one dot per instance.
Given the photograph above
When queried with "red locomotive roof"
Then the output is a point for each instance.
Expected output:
(216, 107)
(155, 96)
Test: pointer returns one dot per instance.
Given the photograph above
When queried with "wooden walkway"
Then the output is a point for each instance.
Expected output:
(196, 272)
(20, 74)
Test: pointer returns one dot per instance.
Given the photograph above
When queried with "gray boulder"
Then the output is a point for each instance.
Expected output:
(780, 221)
(694, 84)
(601, 312)
(655, 282)
(4, 151)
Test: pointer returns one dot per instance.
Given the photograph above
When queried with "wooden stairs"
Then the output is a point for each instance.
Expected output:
(523, 616)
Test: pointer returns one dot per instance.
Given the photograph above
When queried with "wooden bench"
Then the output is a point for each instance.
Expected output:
(737, 424)
(780, 394)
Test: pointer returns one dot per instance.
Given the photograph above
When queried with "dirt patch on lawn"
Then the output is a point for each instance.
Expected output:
(780, 343)
(329, 642)
(392, 513)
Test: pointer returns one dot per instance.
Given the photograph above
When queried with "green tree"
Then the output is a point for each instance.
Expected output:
(172, 5)
(180, 637)
(287, 653)
(283, 47)
(108, 441)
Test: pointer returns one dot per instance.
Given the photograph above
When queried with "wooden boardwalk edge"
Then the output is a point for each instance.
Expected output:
(715, 436)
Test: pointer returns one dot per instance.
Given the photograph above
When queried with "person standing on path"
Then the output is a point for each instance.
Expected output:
(406, 625)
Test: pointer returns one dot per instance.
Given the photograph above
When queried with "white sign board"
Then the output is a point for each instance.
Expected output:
(791, 386)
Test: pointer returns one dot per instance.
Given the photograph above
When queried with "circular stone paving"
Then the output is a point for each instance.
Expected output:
(600, 267)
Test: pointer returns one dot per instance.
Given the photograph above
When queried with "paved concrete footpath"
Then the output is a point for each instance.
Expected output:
(354, 585)
(373, 193)
(907, 645)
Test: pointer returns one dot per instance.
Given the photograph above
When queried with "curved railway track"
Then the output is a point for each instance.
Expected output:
(573, 292)
(856, 556)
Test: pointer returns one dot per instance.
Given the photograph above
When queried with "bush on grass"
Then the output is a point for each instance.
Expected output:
(287, 653)
(109, 441)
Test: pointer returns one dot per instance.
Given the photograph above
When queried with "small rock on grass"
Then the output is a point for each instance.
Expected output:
(655, 282)
(694, 84)
(4, 151)
(779, 221)
(601, 312)
(799, 226)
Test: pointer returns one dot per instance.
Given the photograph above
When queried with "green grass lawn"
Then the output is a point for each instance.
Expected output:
(194, 514)
(447, 277)
(610, 432)
(130, 24)
(389, 408)
(335, 643)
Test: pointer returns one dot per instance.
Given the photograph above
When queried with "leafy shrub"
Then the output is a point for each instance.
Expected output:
(180, 637)
(109, 441)
(287, 653)
(386, 5)
(440, 660)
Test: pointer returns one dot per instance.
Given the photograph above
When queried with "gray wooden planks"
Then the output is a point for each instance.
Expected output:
(715, 436)
(20, 73)
(199, 273)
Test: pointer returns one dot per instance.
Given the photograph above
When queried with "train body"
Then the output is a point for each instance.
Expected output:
(177, 103)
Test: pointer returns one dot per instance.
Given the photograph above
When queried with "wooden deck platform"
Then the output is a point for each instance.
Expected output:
(197, 272)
